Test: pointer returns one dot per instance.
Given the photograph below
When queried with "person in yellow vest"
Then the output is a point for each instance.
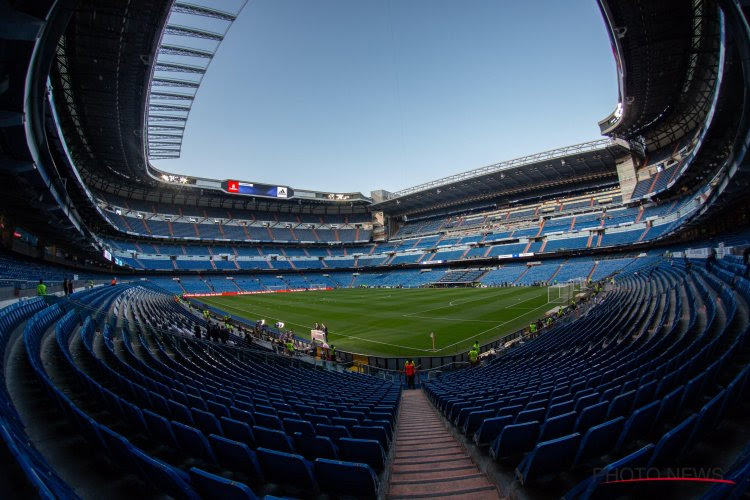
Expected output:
(473, 357)
(206, 314)
(410, 370)
(41, 289)
(290, 347)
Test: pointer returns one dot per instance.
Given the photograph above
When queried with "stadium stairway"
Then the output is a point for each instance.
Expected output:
(428, 461)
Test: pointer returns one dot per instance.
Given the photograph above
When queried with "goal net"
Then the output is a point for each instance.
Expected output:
(560, 294)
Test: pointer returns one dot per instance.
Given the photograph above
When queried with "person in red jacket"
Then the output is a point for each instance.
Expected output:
(410, 370)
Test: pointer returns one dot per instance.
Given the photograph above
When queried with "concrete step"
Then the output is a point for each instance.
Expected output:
(428, 462)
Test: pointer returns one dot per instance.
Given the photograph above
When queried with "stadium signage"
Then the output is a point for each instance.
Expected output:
(257, 292)
(254, 189)
(514, 255)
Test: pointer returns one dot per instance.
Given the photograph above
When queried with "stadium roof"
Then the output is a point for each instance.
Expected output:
(590, 164)
(666, 56)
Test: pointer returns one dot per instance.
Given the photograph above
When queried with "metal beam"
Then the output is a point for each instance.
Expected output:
(179, 68)
(162, 127)
(174, 29)
(171, 96)
(165, 136)
(173, 82)
(168, 107)
(177, 50)
(166, 118)
(198, 10)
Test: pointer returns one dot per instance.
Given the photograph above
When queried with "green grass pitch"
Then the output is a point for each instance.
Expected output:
(397, 322)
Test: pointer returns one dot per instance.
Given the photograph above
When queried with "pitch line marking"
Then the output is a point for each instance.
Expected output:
(451, 304)
(401, 346)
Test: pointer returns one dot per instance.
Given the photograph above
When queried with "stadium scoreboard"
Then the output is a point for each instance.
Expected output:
(255, 189)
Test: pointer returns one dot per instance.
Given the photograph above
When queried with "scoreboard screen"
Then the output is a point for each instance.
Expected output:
(254, 189)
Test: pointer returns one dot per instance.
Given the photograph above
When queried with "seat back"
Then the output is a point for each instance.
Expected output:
(366, 451)
(346, 478)
(600, 439)
(273, 439)
(213, 487)
(235, 456)
(287, 469)
(193, 443)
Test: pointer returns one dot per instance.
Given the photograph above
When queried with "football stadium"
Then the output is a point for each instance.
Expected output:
(570, 323)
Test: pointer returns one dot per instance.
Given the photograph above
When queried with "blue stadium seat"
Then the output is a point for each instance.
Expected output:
(207, 422)
(180, 413)
(600, 439)
(268, 421)
(639, 424)
(273, 439)
(159, 429)
(707, 418)
(346, 478)
(312, 447)
(193, 443)
(358, 415)
(645, 394)
(235, 456)
(241, 415)
(586, 400)
(511, 410)
(134, 416)
(588, 488)
(560, 408)
(318, 419)
(217, 409)
(464, 413)
(213, 487)
(364, 451)
(515, 439)
(591, 415)
(238, 431)
(159, 403)
(334, 432)
(537, 414)
(621, 405)
(490, 428)
(386, 424)
(548, 457)
(165, 478)
(475, 419)
(672, 443)
(670, 405)
(555, 427)
(346, 422)
(366, 432)
(294, 425)
(119, 449)
(287, 469)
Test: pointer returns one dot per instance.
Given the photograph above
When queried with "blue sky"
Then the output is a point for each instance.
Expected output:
(357, 95)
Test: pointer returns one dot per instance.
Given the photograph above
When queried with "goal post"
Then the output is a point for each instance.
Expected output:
(560, 294)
